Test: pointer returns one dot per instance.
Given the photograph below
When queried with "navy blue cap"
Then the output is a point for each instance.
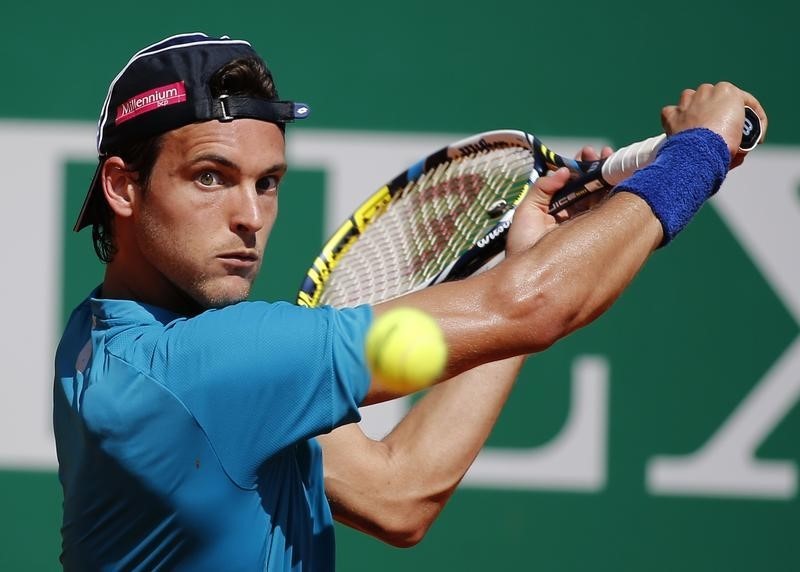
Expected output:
(166, 86)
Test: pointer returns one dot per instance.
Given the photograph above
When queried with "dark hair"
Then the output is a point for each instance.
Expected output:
(244, 76)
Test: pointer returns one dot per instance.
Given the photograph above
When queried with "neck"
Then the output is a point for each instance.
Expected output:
(123, 280)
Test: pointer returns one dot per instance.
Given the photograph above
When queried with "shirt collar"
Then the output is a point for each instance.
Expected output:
(112, 312)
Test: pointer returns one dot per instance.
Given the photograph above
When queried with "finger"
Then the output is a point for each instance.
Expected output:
(686, 97)
(748, 100)
(727, 90)
(704, 90)
(668, 112)
(587, 153)
(553, 182)
(545, 187)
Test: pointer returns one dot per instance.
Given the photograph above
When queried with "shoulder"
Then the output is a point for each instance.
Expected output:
(276, 320)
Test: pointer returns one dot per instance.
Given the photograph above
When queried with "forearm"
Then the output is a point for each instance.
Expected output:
(578, 270)
(393, 489)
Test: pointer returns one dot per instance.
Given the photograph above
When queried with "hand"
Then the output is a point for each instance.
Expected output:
(719, 108)
(587, 153)
(532, 221)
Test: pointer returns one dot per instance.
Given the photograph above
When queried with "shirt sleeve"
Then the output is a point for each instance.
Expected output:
(259, 377)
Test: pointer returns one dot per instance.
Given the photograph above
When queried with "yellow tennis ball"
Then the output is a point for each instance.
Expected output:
(406, 350)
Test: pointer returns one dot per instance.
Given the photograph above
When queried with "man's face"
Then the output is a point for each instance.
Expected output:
(202, 223)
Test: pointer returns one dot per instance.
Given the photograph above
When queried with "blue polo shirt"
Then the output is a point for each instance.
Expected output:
(186, 443)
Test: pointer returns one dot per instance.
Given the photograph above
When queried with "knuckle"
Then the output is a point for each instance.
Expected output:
(727, 88)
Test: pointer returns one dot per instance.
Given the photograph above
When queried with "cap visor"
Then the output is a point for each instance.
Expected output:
(85, 217)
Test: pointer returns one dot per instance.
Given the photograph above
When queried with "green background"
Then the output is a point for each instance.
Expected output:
(686, 342)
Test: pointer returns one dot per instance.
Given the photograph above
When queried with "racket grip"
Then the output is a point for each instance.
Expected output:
(633, 157)
(625, 161)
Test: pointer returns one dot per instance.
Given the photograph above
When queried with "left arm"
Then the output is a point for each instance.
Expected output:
(395, 488)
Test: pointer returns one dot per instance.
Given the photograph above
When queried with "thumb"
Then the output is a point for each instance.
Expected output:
(545, 187)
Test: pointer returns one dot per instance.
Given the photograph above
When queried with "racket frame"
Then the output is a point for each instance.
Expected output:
(587, 177)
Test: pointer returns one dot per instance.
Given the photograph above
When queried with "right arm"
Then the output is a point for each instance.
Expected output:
(576, 271)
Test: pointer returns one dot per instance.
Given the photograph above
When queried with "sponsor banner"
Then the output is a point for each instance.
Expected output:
(150, 100)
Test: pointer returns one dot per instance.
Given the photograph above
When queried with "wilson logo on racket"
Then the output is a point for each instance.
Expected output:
(483, 145)
(501, 227)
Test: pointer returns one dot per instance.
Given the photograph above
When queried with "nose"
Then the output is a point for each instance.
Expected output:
(246, 215)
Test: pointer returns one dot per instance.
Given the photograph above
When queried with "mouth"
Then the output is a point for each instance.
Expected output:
(240, 259)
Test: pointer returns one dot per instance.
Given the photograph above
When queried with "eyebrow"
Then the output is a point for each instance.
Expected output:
(224, 161)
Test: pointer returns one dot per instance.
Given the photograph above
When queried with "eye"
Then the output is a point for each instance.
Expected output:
(209, 179)
(267, 184)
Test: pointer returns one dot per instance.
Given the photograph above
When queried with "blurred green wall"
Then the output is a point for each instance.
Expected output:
(700, 328)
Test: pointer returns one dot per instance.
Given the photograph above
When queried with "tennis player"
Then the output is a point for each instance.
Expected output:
(185, 417)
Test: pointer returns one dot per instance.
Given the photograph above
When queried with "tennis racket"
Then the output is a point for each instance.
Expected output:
(448, 215)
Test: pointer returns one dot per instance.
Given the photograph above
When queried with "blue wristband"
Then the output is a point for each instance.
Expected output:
(688, 169)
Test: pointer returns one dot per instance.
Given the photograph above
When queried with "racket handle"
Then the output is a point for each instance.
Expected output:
(751, 131)
(627, 160)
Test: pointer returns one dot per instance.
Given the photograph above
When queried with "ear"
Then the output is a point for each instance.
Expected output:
(119, 186)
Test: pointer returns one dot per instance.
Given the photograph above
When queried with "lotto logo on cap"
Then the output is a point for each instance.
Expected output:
(151, 100)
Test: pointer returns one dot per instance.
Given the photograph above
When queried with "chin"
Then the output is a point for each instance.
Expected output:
(220, 302)
(226, 299)
(223, 295)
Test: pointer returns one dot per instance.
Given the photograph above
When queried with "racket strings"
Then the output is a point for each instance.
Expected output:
(427, 225)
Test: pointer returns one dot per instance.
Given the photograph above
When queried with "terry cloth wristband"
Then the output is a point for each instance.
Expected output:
(688, 169)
